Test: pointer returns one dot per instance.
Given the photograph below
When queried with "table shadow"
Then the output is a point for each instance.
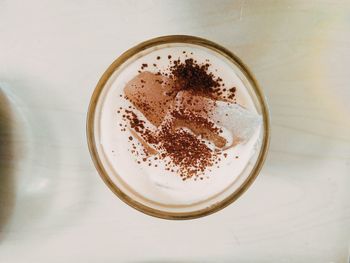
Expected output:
(7, 162)
(33, 170)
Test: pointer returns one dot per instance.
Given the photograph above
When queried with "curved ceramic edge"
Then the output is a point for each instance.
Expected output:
(91, 116)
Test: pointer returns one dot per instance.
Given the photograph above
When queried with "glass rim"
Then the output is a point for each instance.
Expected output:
(90, 127)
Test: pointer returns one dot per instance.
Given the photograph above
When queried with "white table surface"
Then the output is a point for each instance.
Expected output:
(55, 208)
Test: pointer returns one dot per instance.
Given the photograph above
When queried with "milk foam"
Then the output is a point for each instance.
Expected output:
(155, 183)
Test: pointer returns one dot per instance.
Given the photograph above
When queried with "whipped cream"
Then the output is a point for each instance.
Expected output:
(156, 184)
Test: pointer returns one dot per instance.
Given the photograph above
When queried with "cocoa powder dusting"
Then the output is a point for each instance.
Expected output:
(191, 76)
(185, 151)
(179, 137)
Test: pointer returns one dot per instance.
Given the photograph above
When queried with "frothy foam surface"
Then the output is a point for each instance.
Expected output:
(154, 183)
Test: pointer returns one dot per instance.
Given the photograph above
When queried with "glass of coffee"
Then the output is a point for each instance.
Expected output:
(178, 127)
